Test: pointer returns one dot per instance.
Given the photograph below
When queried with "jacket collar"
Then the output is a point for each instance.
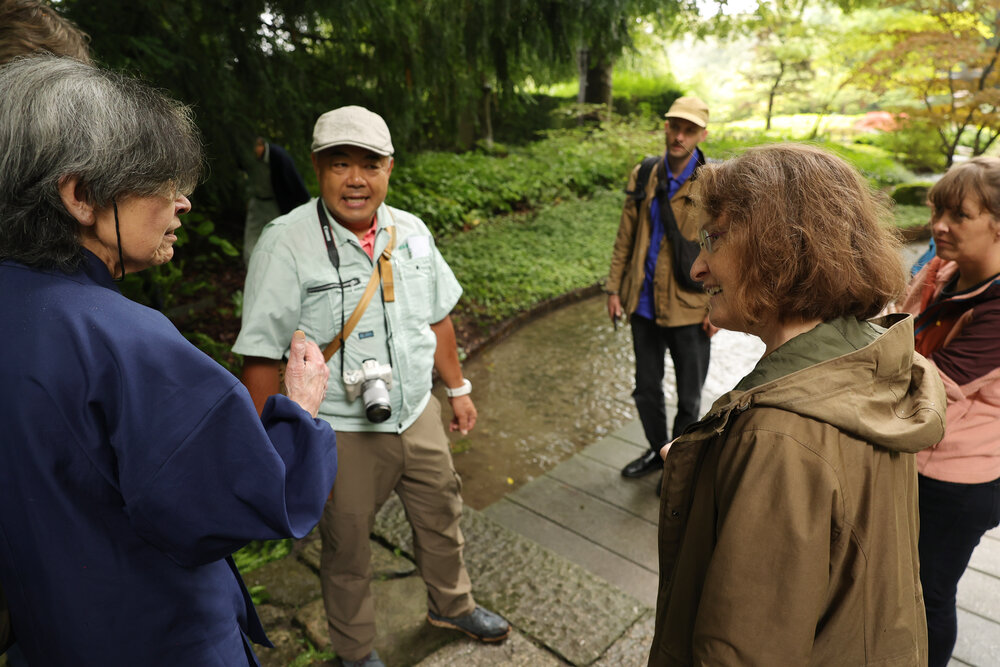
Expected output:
(882, 393)
(96, 271)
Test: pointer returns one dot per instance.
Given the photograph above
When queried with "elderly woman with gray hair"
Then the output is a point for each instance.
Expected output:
(131, 464)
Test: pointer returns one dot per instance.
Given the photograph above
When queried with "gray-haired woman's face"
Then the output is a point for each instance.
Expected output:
(148, 226)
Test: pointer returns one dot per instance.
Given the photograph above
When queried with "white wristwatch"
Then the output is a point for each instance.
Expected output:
(464, 390)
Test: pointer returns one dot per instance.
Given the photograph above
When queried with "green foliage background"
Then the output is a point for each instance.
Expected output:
(433, 69)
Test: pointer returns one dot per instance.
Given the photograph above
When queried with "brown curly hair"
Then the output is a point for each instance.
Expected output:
(811, 237)
(29, 26)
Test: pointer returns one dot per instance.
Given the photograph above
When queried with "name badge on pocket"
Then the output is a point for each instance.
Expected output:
(420, 246)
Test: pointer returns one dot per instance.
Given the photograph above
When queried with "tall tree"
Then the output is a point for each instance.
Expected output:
(943, 54)
(783, 48)
(434, 68)
(604, 28)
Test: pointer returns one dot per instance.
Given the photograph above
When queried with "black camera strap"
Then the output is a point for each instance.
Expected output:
(381, 275)
(324, 225)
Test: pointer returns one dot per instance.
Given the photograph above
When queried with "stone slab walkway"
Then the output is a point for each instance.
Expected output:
(586, 512)
(552, 601)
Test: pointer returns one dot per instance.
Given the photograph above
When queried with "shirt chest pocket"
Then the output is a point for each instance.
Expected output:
(322, 306)
(414, 286)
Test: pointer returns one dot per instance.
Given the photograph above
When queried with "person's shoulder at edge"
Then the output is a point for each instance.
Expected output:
(129, 329)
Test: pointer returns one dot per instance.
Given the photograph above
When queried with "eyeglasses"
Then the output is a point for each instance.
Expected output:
(706, 239)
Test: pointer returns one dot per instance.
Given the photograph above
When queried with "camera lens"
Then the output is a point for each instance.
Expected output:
(375, 395)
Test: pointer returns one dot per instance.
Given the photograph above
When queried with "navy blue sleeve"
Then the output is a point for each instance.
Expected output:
(235, 478)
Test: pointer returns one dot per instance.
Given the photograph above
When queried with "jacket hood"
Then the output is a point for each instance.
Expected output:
(883, 393)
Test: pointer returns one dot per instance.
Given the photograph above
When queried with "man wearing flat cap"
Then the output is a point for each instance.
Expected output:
(648, 280)
(365, 281)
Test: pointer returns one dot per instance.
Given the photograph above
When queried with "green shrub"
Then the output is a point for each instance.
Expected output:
(514, 263)
(644, 95)
(911, 194)
(875, 164)
(452, 193)
(911, 216)
(915, 145)
(163, 286)
(259, 553)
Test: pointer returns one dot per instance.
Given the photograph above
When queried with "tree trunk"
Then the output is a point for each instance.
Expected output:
(582, 58)
(599, 74)
(487, 114)
(772, 93)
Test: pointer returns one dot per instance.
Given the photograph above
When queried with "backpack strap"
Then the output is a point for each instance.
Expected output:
(642, 178)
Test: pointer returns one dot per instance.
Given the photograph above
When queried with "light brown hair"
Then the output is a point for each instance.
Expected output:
(978, 178)
(29, 26)
(811, 237)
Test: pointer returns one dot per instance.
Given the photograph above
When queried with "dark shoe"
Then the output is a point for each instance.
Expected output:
(370, 660)
(478, 624)
(645, 464)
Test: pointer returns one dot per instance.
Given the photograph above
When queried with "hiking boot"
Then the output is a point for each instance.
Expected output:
(370, 660)
(478, 624)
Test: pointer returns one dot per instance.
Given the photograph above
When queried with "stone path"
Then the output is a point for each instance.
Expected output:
(585, 511)
(583, 508)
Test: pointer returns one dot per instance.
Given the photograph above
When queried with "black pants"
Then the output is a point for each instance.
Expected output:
(953, 517)
(690, 349)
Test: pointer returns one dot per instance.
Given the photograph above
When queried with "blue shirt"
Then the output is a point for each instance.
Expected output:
(131, 466)
(645, 307)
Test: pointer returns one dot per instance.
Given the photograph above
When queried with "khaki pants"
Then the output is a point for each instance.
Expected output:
(417, 465)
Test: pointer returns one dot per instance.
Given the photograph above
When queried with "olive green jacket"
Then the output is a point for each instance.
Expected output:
(674, 305)
(788, 518)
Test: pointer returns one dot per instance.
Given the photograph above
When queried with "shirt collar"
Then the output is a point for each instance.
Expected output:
(344, 235)
(688, 170)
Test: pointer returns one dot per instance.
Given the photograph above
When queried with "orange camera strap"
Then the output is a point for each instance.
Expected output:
(381, 272)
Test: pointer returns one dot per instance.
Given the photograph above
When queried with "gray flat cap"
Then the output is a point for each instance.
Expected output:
(352, 126)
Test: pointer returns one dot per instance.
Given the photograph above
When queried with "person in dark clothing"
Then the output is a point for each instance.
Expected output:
(664, 313)
(274, 188)
(956, 300)
(132, 465)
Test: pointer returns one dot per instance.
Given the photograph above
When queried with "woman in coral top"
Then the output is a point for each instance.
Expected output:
(956, 298)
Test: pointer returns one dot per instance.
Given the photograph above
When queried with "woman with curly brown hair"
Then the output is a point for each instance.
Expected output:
(788, 520)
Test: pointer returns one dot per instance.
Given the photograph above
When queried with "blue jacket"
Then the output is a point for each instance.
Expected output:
(131, 466)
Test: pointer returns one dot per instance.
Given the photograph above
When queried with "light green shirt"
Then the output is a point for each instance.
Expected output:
(291, 284)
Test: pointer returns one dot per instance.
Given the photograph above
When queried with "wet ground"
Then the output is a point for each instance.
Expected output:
(562, 382)
(557, 385)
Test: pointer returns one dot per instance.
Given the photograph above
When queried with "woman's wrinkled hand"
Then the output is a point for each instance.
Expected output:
(306, 374)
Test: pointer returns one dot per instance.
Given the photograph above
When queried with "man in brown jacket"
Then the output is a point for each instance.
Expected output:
(643, 284)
